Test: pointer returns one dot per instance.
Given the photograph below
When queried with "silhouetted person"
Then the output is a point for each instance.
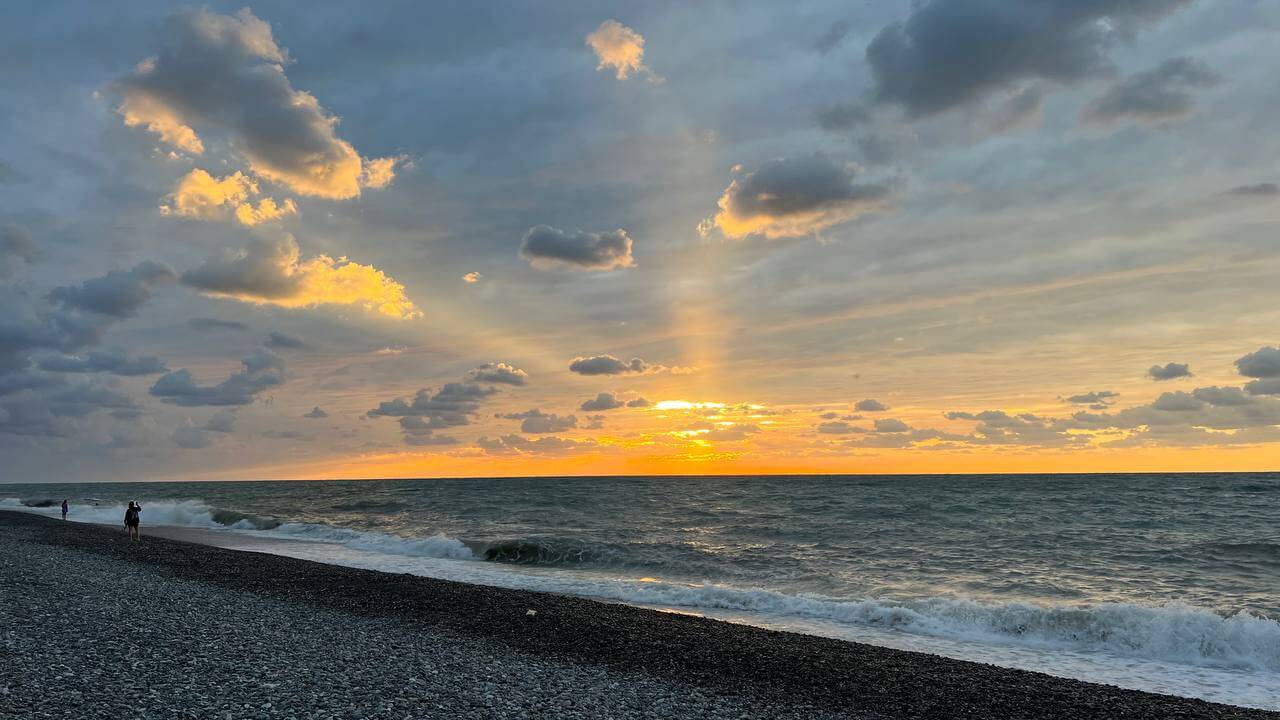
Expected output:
(131, 519)
(64, 509)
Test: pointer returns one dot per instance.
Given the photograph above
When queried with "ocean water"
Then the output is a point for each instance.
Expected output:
(1168, 583)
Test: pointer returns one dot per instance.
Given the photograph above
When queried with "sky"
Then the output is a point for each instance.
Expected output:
(324, 240)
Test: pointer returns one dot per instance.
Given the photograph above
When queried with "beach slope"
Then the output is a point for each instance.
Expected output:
(95, 626)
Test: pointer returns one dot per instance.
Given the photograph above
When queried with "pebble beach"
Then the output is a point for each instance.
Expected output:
(94, 626)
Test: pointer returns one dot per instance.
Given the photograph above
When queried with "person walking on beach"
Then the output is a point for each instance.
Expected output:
(64, 509)
(131, 518)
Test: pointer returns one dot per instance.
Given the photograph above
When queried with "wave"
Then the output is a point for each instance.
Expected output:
(182, 513)
(528, 552)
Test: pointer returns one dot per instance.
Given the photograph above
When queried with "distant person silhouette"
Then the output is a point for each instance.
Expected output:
(131, 519)
(64, 509)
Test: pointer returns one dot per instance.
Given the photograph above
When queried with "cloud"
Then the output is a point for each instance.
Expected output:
(281, 341)
(621, 49)
(1261, 363)
(316, 413)
(734, 432)
(890, 425)
(638, 403)
(1222, 396)
(17, 249)
(1265, 189)
(1158, 95)
(500, 373)
(1095, 397)
(537, 422)
(1169, 371)
(546, 247)
(201, 196)
(113, 360)
(190, 437)
(610, 365)
(794, 197)
(472, 277)
(870, 405)
(949, 53)
(270, 271)
(226, 74)
(838, 427)
(204, 324)
(223, 421)
(517, 445)
(119, 293)
(263, 370)
(602, 401)
(833, 37)
(450, 406)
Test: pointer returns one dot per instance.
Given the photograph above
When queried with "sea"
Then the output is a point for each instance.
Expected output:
(1162, 582)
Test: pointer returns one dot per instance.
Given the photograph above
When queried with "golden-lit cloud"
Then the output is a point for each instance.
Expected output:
(225, 73)
(794, 197)
(621, 49)
(202, 196)
(472, 278)
(272, 272)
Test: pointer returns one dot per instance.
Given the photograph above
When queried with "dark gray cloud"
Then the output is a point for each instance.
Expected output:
(948, 53)
(843, 116)
(608, 365)
(1266, 189)
(891, 425)
(119, 293)
(792, 197)
(833, 37)
(204, 324)
(870, 405)
(226, 73)
(1169, 371)
(263, 370)
(1161, 94)
(280, 341)
(316, 413)
(17, 249)
(500, 373)
(544, 247)
(452, 405)
(1261, 363)
(1095, 397)
(1222, 396)
(602, 401)
(517, 445)
(638, 403)
(223, 421)
(110, 360)
(838, 427)
(536, 422)
(258, 270)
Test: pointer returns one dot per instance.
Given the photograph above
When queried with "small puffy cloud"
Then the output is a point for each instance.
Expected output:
(271, 271)
(226, 74)
(119, 293)
(1169, 371)
(950, 53)
(546, 247)
(472, 277)
(1095, 397)
(500, 373)
(794, 197)
(204, 324)
(280, 341)
(1261, 363)
(112, 360)
(263, 370)
(890, 425)
(638, 403)
(609, 365)
(621, 49)
(838, 427)
(316, 414)
(870, 405)
(223, 421)
(1177, 401)
(517, 445)
(1158, 95)
(602, 401)
(1266, 189)
(450, 406)
(1222, 396)
(202, 196)
(536, 422)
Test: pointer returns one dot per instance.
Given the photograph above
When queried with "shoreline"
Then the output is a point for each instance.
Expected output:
(766, 670)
